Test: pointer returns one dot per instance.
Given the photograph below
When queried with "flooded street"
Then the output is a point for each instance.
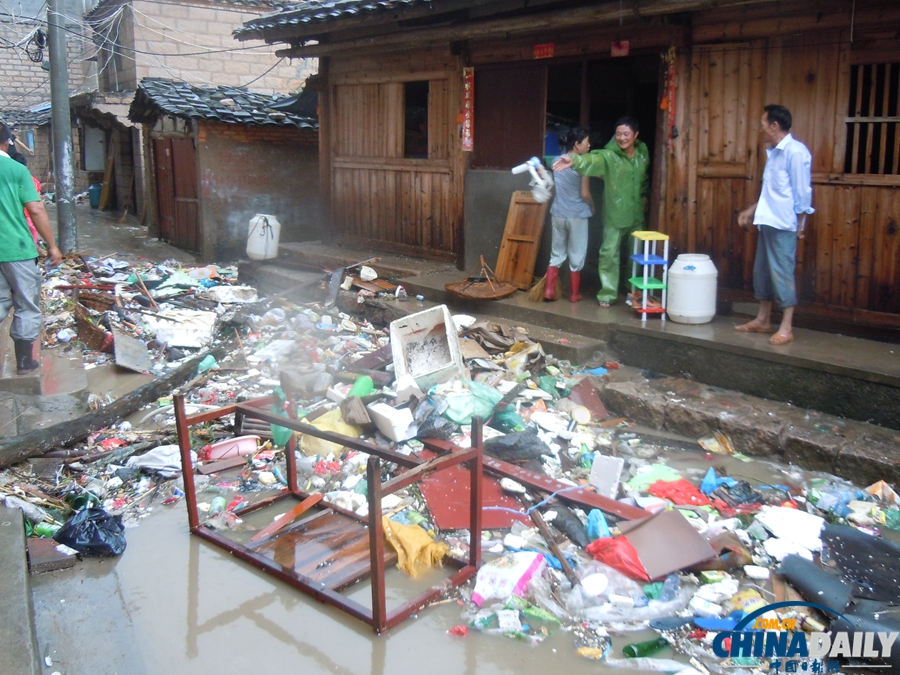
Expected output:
(174, 604)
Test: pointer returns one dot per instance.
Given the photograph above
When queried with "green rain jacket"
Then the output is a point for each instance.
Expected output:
(626, 182)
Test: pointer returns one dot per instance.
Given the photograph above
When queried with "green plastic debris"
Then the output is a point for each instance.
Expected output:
(280, 435)
(208, 363)
(892, 519)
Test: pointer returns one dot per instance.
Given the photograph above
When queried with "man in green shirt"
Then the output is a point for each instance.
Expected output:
(624, 166)
(20, 275)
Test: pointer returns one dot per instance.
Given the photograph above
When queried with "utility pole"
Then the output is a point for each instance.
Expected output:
(63, 170)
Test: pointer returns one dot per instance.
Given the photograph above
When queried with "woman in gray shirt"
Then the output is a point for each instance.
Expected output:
(569, 213)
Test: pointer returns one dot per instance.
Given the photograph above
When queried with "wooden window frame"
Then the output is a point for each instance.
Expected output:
(884, 77)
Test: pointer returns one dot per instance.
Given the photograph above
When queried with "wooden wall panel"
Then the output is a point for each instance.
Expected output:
(884, 287)
(438, 120)
(673, 209)
(398, 207)
(380, 199)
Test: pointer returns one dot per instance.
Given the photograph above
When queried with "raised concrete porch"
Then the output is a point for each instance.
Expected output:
(846, 376)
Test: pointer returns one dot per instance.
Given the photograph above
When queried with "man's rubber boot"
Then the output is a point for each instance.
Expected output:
(550, 283)
(574, 286)
(25, 362)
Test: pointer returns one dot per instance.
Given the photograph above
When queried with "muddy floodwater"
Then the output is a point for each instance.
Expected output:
(175, 605)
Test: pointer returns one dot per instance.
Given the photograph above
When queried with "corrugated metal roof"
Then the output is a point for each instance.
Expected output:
(156, 96)
(314, 12)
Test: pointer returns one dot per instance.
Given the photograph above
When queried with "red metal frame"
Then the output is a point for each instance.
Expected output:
(378, 617)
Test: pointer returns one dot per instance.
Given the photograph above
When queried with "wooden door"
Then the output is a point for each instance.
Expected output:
(177, 192)
(187, 202)
(724, 176)
(165, 188)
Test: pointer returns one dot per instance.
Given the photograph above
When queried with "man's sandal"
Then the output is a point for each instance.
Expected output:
(751, 327)
(781, 339)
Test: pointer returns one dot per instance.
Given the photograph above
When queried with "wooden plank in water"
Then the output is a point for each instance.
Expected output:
(291, 515)
(332, 550)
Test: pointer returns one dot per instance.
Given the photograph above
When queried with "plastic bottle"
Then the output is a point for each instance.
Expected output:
(45, 530)
(217, 506)
(670, 588)
(362, 387)
(646, 648)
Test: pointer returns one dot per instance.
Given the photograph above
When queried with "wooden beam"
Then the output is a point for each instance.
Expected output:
(548, 21)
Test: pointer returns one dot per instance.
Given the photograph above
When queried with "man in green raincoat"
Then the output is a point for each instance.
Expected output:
(624, 166)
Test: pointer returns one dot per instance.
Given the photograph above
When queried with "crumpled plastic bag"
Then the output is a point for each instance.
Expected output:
(525, 356)
(478, 401)
(620, 554)
(330, 421)
(33, 514)
(416, 551)
(681, 492)
(430, 422)
(93, 532)
(164, 460)
(507, 575)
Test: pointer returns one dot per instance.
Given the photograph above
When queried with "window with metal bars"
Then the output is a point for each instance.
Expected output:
(873, 120)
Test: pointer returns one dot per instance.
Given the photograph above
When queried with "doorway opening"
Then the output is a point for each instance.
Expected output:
(595, 93)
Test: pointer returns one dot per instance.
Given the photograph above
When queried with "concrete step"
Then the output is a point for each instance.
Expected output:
(18, 641)
(272, 278)
(9, 380)
(60, 374)
(319, 255)
(582, 318)
(835, 374)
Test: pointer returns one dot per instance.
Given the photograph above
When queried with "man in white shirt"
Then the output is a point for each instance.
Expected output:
(780, 214)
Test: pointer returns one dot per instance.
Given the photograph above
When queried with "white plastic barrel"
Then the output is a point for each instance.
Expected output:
(692, 289)
(262, 237)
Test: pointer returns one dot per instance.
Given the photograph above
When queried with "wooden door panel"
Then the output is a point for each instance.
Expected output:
(165, 189)
(521, 239)
(187, 225)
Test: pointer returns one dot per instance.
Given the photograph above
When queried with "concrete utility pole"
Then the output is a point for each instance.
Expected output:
(63, 170)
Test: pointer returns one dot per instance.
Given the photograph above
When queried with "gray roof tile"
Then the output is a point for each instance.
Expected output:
(156, 96)
(314, 11)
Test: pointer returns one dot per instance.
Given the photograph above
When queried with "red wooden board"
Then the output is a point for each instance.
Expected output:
(447, 495)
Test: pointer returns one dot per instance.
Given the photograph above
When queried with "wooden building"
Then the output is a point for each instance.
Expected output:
(217, 156)
(397, 171)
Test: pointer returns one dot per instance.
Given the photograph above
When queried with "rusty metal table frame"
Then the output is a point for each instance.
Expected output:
(416, 469)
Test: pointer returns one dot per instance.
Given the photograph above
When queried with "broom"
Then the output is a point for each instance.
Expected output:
(536, 293)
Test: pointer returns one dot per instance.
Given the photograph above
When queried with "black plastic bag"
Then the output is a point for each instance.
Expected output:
(93, 532)
(427, 416)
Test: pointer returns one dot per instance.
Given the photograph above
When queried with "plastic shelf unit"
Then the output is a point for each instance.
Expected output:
(644, 274)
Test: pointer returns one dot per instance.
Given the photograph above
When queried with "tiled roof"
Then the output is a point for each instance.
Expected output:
(26, 118)
(313, 12)
(156, 96)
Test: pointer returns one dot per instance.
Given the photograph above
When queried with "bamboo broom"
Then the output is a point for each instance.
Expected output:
(536, 293)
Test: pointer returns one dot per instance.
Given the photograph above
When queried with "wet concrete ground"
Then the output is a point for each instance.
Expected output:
(102, 233)
(174, 604)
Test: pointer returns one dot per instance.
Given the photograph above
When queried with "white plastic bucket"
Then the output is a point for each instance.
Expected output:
(692, 289)
(262, 237)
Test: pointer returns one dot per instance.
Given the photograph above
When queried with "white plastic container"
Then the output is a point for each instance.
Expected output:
(692, 289)
(262, 237)
(425, 346)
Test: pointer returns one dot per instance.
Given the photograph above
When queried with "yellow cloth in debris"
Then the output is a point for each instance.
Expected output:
(330, 421)
(416, 551)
